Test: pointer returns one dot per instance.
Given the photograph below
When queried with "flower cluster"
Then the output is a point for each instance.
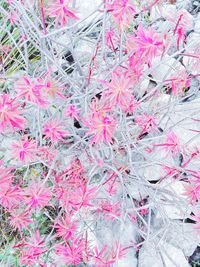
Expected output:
(99, 132)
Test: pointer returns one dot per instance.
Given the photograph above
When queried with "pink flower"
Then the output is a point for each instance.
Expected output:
(172, 144)
(24, 150)
(73, 197)
(99, 107)
(102, 128)
(10, 116)
(147, 44)
(37, 195)
(6, 176)
(71, 253)
(84, 196)
(20, 220)
(119, 92)
(122, 12)
(34, 246)
(61, 12)
(54, 130)
(52, 87)
(100, 257)
(35, 243)
(65, 228)
(135, 68)
(192, 192)
(106, 257)
(10, 196)
(31, 90)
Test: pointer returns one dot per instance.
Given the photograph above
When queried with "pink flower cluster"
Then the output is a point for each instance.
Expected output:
(80, 136)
